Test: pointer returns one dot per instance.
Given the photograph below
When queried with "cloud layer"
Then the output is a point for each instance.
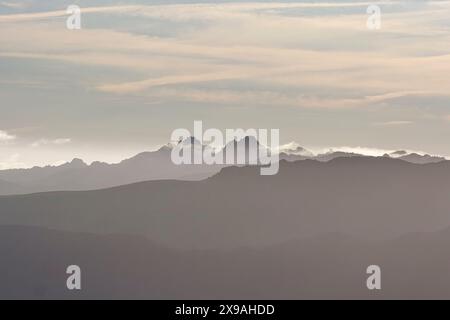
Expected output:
(316, 58)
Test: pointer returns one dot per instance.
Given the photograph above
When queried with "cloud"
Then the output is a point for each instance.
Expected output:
(43, 142)
(240, 97)
(137, 86)
(185, 12)
(374, 152)
(263, 97)
(5, 137)
(13, 5)
(393, 123)
(20, 17)
(291, 54)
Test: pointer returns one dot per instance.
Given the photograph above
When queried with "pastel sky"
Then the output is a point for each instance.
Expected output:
(137, 70)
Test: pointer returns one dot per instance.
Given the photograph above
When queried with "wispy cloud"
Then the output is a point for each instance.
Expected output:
(13, 5)
(5, 137)
(19, 17)
(43, 142)
(232, 47)
(394, 123)
(138, 86)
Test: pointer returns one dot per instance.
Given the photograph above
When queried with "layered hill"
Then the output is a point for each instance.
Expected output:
(375, 198)
(330, 266)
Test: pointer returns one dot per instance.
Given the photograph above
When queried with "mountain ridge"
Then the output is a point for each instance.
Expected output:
(367, 197)
(154, 165)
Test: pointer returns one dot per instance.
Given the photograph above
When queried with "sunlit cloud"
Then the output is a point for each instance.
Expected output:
(394, 123)
(44, 142)
(199, 57)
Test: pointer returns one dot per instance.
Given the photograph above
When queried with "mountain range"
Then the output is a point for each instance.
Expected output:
(374, 198)
(153, 165)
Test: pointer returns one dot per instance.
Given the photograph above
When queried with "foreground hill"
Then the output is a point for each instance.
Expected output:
(328, 266)
(372, 198)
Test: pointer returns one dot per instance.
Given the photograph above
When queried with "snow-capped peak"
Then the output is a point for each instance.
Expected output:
(293, 148)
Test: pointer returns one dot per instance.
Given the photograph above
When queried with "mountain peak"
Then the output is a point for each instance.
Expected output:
(190, 141)
(293, 148)
(398, 153)
(76, 163)
(166, 147)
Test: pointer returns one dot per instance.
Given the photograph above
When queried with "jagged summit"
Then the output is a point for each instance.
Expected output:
(398, 153)
(293, 148)
(76, 163)
(190, 141)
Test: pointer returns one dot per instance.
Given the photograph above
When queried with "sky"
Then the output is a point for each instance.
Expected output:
(137, 70)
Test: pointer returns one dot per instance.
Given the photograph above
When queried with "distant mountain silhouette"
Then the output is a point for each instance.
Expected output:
(402, 155)
(373, 198)
(421, 159)
(398, 153)
(250, 145)
(294, 148)
(336, 154)
(323, 157)
(77, 175)
(157, 165)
